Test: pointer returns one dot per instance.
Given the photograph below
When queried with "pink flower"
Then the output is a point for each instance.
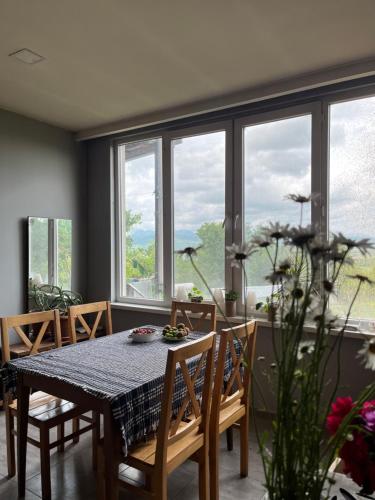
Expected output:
(368, 415)
(355, 455)
(340, 408)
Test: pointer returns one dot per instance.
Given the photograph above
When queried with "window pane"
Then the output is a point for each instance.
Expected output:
(64, 253)
(141, 197)
(277, 162)
(38, 248)
(352, 198)
(199, 207)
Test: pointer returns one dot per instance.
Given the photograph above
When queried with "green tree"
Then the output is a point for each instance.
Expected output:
(140, 262)
(210, 258)
(64, 248)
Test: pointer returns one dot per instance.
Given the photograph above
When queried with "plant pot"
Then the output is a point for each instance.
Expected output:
(271, 314)
(197, 300)
(230, 308)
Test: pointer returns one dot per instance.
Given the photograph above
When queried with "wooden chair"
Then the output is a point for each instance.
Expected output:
(78, 312)
(178, 438)
(230, 400)
(45, 411)
(204, 312)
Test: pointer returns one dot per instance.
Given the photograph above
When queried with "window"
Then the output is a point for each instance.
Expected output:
(352, 194)
(198, 167)
(140, 195)
(276, 162)
(64, 253)
(50, 251)
(39, 249)
(216, 184)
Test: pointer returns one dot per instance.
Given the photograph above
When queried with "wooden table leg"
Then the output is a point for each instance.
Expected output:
(23, 394)
(110, 469)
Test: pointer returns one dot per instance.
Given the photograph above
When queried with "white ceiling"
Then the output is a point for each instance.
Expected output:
(108, 60)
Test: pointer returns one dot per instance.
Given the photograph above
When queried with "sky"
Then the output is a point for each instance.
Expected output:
(277, 161)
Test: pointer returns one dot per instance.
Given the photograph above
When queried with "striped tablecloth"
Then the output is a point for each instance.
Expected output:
(129, 374)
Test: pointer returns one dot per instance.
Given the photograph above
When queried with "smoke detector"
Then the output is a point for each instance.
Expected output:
(27, 56)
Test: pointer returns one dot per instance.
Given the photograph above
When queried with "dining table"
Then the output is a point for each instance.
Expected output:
(114, 376)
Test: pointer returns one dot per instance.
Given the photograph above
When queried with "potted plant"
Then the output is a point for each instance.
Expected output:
(49, 297)
(230, 303)
(195, 295)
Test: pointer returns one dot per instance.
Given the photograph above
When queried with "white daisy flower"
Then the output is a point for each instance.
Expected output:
(239, 253)
(367, 353)
(305, 347)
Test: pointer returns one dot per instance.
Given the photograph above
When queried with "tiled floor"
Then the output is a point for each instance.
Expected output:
(73, 478)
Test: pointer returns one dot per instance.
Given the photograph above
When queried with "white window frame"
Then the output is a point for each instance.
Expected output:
(168, 202)
(317, 107)
(313, 109)
(222, 126)
(119, 206)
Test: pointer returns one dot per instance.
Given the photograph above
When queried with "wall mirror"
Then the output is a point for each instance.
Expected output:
(50, 252)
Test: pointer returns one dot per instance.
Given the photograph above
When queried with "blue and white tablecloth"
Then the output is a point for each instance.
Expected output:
(130, 375)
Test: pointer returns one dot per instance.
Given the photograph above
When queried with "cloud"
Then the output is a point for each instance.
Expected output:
(277, 162)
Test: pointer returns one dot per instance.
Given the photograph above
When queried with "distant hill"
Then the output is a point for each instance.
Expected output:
(183, 238)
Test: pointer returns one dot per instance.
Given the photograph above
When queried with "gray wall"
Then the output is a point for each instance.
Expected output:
(42, 173)
(100, 235)
(99, 258)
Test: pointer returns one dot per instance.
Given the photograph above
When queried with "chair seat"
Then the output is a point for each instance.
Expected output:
(44, 408)
(230, 415)
(144, 453)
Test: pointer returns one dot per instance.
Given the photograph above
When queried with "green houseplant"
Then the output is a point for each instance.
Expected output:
(230, 303)
(195, 295)
(48, 297)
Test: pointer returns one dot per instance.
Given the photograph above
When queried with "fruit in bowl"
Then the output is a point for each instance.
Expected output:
(143, 334)
(175, 333)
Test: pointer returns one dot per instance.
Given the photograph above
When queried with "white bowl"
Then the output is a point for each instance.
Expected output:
(148, 337)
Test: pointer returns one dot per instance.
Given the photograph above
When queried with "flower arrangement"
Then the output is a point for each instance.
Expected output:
(304, 274)
(358, 450)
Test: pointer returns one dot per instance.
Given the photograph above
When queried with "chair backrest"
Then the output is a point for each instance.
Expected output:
(16, 323)
(173, 428)
(237, 387)
(81, 310)
(204, 312)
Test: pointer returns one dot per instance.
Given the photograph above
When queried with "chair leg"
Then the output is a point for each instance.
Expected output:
(214, 467)
(148, 482)
(229, 433)
(61, 435)
(204, 476)
(45, 463)
(160, 487)
(9, 430)
(244, 445)
(75, 427)
(95, 439)
(100, 474)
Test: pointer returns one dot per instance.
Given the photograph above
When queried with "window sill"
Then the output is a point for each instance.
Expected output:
(260, 318)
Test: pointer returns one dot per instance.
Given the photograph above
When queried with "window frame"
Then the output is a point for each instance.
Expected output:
(119, 206)
(227, 127)
(313, 109)
(167, 136)
(327, 102)
(233, 121)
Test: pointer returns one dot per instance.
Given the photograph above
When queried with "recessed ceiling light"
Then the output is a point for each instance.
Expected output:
(27, 56)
